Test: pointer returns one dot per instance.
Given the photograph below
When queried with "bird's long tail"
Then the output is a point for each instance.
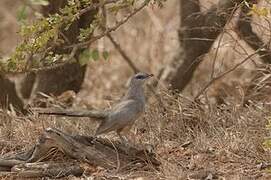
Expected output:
(72, 113)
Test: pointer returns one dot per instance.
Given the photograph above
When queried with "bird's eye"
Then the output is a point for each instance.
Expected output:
(140, 77)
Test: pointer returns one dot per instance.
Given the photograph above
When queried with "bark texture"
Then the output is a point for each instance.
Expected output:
(95, 152)
(197, 33)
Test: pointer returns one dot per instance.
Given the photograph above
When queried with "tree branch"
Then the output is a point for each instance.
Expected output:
(123, 54)
(110, 29)
(193, 30)
(225, 73)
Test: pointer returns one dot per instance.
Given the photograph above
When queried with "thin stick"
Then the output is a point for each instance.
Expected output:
(95, 6)
(117, 45)
(220, 41)
(110, 29)
(123, 54)
(225, 73)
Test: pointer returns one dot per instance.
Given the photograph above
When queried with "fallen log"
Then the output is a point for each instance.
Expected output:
(96, 152)
(45, 169)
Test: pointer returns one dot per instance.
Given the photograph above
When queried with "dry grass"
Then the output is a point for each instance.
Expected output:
(226, 141)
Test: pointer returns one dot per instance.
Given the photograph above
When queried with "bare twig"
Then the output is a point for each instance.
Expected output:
(95, 6)
(205, 25)
(225, 73)
(123, 54)
(110, 29)
(116, 45)
(220, 40)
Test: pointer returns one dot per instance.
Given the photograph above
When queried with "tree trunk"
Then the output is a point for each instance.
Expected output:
(197, 33)
(54, 81)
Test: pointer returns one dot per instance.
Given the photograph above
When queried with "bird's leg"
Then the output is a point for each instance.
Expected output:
(125, 142)
(123, 138)
(129, 148)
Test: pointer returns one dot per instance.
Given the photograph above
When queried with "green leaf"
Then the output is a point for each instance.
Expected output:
(84, 57)
(105, 55)
(22, 13)
(95, 55)
(11, 65)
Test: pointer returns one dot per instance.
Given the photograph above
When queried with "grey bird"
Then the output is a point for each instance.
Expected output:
(121, 116)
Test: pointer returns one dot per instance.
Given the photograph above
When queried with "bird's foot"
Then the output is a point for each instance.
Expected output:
(128, 147)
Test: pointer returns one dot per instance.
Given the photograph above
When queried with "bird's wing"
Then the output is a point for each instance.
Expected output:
(72, 112)
(121, 115)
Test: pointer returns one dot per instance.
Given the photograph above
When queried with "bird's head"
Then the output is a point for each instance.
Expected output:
(140, 78)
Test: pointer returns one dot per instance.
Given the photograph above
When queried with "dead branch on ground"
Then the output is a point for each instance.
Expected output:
(95, 152)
